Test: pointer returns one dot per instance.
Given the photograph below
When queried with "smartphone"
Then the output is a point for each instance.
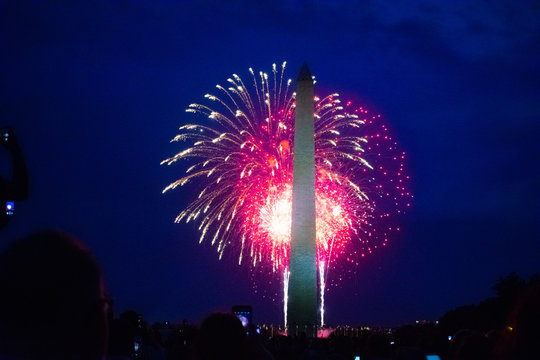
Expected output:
(433, 357)
(243, 312)
(244, 319)
(136, 348)
(10, 207)
(357, 357)
(5, 134)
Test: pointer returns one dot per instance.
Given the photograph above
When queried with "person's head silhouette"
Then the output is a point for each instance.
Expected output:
(221, 336)
(52, 302)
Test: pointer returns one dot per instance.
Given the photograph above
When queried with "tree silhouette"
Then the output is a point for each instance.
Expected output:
(497, 312)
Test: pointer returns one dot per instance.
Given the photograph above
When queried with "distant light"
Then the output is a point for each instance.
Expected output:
(449, 338)
(510, 328)
(392, 343)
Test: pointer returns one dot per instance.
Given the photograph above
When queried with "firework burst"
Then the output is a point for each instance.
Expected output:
(240, 150)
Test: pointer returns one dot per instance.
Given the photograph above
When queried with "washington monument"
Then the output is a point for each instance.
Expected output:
(302, 301)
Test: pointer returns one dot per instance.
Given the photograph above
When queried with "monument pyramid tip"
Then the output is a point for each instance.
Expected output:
(305, 74)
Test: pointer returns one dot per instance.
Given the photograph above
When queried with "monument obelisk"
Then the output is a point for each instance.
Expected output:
(302, 293)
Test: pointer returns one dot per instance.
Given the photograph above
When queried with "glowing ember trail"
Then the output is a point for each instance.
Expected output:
(322, 287)
(286, 274)
(240, 152)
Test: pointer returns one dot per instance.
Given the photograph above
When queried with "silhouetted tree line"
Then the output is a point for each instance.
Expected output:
(515, 301)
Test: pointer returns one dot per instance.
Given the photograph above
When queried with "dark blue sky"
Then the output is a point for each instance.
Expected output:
(95, 90)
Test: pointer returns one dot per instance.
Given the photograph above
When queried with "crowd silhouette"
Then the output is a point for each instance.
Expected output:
(54, 305)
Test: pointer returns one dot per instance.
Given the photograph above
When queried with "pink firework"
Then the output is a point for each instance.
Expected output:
(241, 152)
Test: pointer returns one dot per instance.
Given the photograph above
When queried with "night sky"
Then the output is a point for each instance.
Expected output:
(95, 90)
